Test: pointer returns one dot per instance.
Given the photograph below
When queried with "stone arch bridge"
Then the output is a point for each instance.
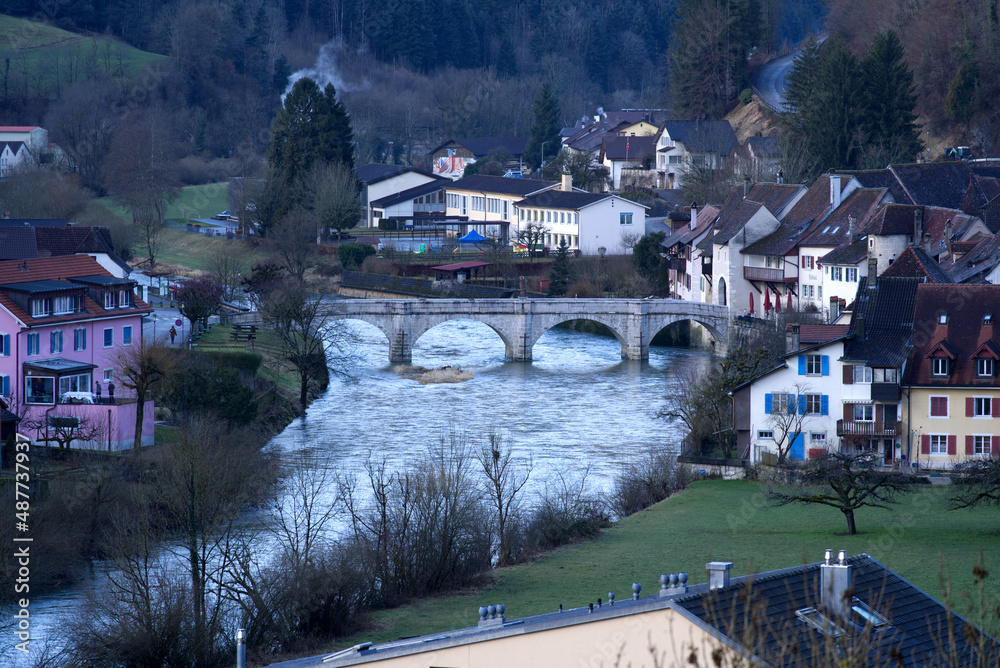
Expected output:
(521, 322)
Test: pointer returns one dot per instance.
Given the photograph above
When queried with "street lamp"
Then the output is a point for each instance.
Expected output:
(542, 163)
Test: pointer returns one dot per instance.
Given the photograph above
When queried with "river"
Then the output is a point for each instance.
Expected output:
(578, 407)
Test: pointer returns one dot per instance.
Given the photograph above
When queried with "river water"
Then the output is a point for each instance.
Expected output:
(578, 407)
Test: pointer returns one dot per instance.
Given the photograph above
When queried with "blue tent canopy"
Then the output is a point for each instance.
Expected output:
(472, 237)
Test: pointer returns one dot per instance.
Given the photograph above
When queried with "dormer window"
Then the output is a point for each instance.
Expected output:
(109, 300)
(988, 319)
(41, 307)
(985, 367)
(939, 366)
(943, 319)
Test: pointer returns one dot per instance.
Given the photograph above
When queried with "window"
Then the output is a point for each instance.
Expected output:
(562, 217)
(109, 337)
(108, 375)
(625, 218)
(63, 305)
(5, 345)
(765, 435)
(78, 383)
(478, 203)
(109, 300)
(34, 343)
(808, 291)
(862, 374)
(985, 367)
(851, 274)
(124, 298)
(56, 341)
(939, 444)
(779, 403)
(5, 385)
(943, 319)
(813, 365)
(79, 339)
(39, 390)
(982, 407)
(818, 437)
(864, 413)
(886, 375)
(807, 262)
(836, 273)
(772, 262)
(939, 407)
(127, 335)
(813, 404)
(41, 307)
(939, 366)
(981, 445)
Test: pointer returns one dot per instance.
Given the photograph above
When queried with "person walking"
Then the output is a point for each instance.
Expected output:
(173, 333)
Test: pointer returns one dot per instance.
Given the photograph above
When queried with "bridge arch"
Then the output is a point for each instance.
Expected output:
(540, 325)
(499, 324)
(720, 337)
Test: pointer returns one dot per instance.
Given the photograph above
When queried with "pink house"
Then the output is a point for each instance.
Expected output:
(64, 322)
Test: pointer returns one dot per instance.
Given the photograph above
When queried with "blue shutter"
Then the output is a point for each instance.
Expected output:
(83, 339)
(768, 403)
(824, 404)
(6, 386)
(802, 365)
(825, 362)
(802, 404)
(52, 342)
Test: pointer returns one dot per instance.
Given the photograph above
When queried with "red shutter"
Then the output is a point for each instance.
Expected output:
(849, 375)
(996, 407)
(925, 444)
(848, 413)
(952, 444)
(970, 404)
(970, 447)
(996, 445)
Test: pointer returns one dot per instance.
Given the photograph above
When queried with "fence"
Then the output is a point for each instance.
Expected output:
(420, 286)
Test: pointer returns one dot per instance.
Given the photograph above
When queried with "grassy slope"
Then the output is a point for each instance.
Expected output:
(39, 43)
(716, 520)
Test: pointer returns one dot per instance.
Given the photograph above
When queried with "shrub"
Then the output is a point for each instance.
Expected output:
(241, 360)
(584, 289)
(649, 480)
(377, 265)
(746, 95)
(564, 514)
(353, 255)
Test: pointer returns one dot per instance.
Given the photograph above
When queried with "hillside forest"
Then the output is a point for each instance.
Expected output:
(413, 73)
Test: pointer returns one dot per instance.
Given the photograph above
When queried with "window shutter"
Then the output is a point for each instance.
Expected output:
(952, 444)
(848, 413)
(925, 444)
(824, 404)
(83, 339)
(768, 402)
(52, 342)
(969, 406)
(970, 446)
(825, 364)
(802, 404)
(802, 365)
(848, 374)
(995, 412)
(6, 386)
(996, 445)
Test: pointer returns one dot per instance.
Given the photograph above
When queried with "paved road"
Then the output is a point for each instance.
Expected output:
(770, 79)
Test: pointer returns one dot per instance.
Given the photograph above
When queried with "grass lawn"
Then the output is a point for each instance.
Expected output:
(193, 250)
(266, 343)
(35, 45)
(725, 521)
(202, 201)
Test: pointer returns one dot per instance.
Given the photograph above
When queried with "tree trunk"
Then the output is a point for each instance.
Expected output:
(852, 529)
(304, 390)
(140, 404)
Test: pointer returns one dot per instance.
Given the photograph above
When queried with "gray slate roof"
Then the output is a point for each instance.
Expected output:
(887, 311)
(704, 136)
(500, 185)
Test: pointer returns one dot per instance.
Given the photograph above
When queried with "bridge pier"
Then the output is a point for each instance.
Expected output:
(522, 338)
(400, 335)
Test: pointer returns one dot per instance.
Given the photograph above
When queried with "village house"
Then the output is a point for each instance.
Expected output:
(684, 146)
(491, 201)
(685, 259)
(801, 616)
(452, 157)
(951, 378)
(585, 222)
(64, 323)
(381, 181)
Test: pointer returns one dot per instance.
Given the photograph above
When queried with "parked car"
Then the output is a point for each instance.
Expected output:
(222, 216)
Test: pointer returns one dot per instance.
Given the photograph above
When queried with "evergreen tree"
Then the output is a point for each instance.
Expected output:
(833, 123)
(559, 274)
(311, 128)
(801, 82)
(889, 99)
(544, 138)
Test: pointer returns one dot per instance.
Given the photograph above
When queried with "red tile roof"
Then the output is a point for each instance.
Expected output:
(964, 334)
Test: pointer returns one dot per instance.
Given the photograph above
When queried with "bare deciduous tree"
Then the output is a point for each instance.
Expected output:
(789, 418)
(227, 263)
(141, 367)
(503, 478)
(531, 235)
(294, 242)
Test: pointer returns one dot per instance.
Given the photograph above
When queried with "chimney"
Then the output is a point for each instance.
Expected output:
(834, 191)
(694, 215)
(567, 183)
(918, 226)
(872, 271)
(852, 227)
(781, 176)
(836, 590)
(746, 186)
(791, 338)
(859, 328)
(947, 233)
(718, 574)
